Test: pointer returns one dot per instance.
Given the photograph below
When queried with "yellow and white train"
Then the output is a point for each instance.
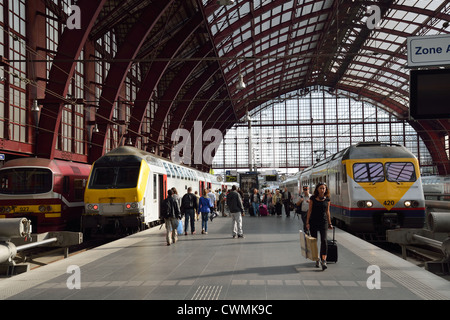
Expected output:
(373, 187)
(126, 186)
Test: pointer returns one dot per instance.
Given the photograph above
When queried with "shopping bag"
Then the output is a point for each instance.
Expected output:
(308, 246)
(311, 244)
(180, 227)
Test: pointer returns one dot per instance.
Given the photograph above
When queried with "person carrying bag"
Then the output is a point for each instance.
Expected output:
(318, 220)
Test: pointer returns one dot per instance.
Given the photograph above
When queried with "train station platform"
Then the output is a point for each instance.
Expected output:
(265, 265)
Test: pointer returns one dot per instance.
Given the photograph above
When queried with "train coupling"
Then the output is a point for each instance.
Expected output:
(390, 220)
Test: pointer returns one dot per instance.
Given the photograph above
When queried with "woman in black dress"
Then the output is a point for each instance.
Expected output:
(318, 219)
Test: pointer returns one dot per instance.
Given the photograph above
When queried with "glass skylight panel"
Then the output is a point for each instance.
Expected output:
(243, 8)
(318, 6)
(304, 10)
(286, 16)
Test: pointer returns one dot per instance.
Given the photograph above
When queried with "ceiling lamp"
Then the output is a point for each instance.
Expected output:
(225, 2)
(35, 106)
(241, 84)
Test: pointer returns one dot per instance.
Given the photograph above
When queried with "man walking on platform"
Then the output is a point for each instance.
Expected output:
(234, 202)
(170, 212)
(188, 207)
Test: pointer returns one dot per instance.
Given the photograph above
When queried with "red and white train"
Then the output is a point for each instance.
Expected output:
(50, 193)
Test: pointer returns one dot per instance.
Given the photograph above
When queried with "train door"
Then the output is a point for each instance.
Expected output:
(202, 187)
(162, 191)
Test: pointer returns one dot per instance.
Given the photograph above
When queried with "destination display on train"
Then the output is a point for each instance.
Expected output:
(429, 51)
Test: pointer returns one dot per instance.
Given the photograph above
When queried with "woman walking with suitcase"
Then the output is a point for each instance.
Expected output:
(318, 219)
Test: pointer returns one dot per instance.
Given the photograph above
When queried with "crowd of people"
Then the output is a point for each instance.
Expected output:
(193, 207)
(313, 209)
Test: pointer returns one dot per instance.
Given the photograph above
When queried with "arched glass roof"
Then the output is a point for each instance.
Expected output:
(184, 58)
(283, 45)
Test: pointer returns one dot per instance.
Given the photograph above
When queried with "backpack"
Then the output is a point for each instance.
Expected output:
(187, 202)
(165, 209)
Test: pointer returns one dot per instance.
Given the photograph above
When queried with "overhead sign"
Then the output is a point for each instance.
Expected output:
(429, 51)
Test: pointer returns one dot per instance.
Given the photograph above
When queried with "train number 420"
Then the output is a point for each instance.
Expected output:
(389, 202)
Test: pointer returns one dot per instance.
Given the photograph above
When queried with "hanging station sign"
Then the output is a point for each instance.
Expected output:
(429, 51)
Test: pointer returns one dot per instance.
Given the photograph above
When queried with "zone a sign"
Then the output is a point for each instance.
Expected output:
(429, 51)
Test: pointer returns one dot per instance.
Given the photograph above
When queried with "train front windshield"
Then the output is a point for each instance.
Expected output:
(25, 181)
(120, 173)
(376, 172)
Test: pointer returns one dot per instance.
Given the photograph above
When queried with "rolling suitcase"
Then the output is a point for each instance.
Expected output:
(263, 210)
(332, 254)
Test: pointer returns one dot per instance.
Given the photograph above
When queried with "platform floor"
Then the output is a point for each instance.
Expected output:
(265, 265)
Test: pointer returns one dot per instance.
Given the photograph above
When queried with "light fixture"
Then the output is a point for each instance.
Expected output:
(129, 142)
(225, 2)
(241, 84)
(35, 106)
(95, 129)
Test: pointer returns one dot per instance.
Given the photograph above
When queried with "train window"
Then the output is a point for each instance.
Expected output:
(114, 177)
(169, 173)
(173, 171)
(368, 172)
(127, 177)
(66, 185)
(79, 185)
(177, 172)
(186, 173)
(400, 172)
(183, 175)
(25, 181)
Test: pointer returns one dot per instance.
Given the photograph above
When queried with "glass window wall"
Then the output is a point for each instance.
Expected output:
(294, 132)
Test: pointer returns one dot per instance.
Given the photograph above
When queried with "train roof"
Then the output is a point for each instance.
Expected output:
(157, 161)
(370, 150)
(54, 164)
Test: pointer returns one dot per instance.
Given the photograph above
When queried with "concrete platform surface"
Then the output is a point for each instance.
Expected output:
(265, 265)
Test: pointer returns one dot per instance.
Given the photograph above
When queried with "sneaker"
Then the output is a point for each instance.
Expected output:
(324, 265)
(241, 236)
(317, 263)
(234, 236)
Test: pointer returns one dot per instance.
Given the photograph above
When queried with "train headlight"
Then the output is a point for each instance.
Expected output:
(407, 203)
(132, 205)
(365, 204)
(92, 207)
(43, 208)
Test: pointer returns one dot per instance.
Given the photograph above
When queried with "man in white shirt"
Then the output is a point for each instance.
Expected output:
(212, 199)
(303, 205)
